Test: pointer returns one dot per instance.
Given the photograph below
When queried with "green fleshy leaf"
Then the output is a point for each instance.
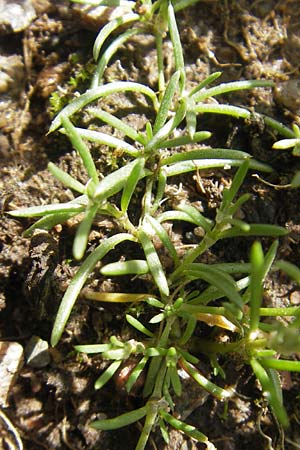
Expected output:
(121, 421)
(138, 325)
(154, 263)
(136, 174)
(133, 266)
(78, 281)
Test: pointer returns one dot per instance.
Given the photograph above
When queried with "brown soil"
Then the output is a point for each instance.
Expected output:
(52, 405)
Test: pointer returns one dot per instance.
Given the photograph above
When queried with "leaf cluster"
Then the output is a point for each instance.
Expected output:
(232, 299)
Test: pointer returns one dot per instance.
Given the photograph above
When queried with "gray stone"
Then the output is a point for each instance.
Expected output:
(15, 15)
(11, 74)
(11, 361)
(37, 352)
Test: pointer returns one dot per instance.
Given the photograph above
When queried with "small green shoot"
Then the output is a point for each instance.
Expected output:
(229, 296)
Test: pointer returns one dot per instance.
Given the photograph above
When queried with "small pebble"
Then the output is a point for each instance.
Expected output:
(11, 361)
(295, 298)
(96, 17)
(287, 94)
(15, 15)
(11, 74)
(37, 353)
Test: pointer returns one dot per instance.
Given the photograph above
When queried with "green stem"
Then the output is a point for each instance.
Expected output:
(198, 345)
(152, 412)
(208, 241)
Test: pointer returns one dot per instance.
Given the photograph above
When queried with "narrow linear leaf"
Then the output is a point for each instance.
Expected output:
(116, 342)
(106, 139)
(269, 258)
(136, 372)
(163, 236)
(138, 325)
(244, 226)
(189, 330)
(107, 374)
(166, 102)
(149, 131)
(227, 110)
(176, 41)
(164, 431)
(94, 348)
(166, 391)
(176, 215)
(160, 25)
(78, 281)
(290, 269)
(164, 132)
(231, 87)
(81, 147)
(198, 164)
(155, 351)
(154, 263)
(182, 4)
(175, 381)
(276, 381)
(118, 354)
(278, 126)
(136, 174)
(193, 308)
(205, 153)
(65, 178)
(37, 211)
(236, 206)
(121, 421)
(189, 430)
(133, 266)
(154, 302)
(115, 182)
(117, 123)
(108, 54)
(49, 221)
(102, 91)
(184, 140)
(287, 311)
(233, 268)
(256, 284)
(210, 79)
(255, 230)
(280, 364)
(197, 217)
(152, 373)
(238, 179)
(108, 29)
(188, 357)
(113, 297)
(158, 318)
(216, 391)
(82, 233)
(270, 391)
(216, 278)
(285, 144)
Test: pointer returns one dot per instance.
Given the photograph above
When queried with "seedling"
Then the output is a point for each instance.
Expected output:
(146, 160)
